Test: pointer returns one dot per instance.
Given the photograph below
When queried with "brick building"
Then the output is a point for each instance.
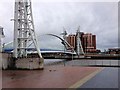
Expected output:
(88, 42)
(71, 39)
(114, 50)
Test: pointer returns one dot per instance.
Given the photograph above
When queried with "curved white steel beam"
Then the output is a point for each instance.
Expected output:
(63, 41)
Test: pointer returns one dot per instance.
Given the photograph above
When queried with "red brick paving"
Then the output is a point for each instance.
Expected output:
(50, 77)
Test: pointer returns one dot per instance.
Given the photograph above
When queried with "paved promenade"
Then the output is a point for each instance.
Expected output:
(107, 78)
(50, 77)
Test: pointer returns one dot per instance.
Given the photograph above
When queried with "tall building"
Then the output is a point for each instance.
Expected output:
(71, 39)
(88, 41)
(94, 41)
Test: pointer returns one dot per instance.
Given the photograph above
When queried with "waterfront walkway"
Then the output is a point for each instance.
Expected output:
(107, 78)
(63, 75)
(50, 77)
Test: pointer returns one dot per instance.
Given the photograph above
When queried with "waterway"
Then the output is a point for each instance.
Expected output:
(83, 62)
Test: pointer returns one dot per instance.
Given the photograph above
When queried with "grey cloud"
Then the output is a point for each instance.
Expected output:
(93, 17)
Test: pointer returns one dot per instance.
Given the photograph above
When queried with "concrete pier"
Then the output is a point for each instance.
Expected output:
(20, 63)
(28, 63)
(4, 60)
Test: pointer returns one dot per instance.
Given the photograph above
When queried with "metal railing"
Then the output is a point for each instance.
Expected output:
(97, 63)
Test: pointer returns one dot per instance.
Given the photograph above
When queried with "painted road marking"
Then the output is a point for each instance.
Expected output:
(88, 77)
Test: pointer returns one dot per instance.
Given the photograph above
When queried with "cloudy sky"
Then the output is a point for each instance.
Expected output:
(99, 18)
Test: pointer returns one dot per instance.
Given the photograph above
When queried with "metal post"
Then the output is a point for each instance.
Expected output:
(0, 45)
(110, 62)
(102, 62)
(72, 56)
(64, 38)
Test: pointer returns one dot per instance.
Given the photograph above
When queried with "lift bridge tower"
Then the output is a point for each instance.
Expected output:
(79, 45)
(24, 31)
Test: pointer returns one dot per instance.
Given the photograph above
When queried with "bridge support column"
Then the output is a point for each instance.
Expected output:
(24, 32)
(12, 63)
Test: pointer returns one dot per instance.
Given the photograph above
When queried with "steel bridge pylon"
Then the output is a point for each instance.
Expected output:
(24, 30)
(79, 45)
